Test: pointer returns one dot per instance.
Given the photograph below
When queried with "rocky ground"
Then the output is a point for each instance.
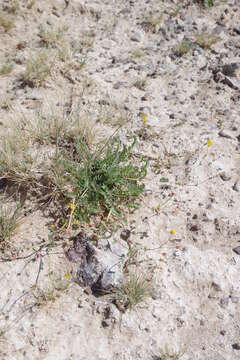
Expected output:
(167, 71)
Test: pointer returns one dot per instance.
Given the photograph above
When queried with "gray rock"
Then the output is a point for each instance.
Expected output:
(201, 62)
(225, 133)
(100, 269)
(137, 37)
(117, 85)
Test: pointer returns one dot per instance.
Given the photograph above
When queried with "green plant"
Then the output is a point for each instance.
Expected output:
(166, 354)
(137, 53)
(9, 220)
(133, 291)
(103, 181)
(6, 68)
(206, 40)
(140, 83)
(6, 22)
(206, 3)
(182, 48)
(38, 68)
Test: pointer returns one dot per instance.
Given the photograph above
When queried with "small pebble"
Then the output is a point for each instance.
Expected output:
(226, 134)
(225, 176)
(125, 234)
(236, 186)
(237, 250)
(236, 346)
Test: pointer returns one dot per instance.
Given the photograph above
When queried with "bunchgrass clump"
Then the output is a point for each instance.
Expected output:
(54, 160)
(103, 182)
(141, 83)
(182, 48)
(205, 40)
(152, 22)
(133, 291)
(137, 53)
(15, 160)
(6, 22)
(38, 68)
(166, 354)
(9, 220)
(52, 38)
(13, 7)
(6, 68)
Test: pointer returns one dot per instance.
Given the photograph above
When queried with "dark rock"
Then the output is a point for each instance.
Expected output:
(236, 186)
(224, 302)
(230, 69)
(216, 286)
(236, 346)
(194, 228)
(125, 234)
(237, 250)
(223, 332)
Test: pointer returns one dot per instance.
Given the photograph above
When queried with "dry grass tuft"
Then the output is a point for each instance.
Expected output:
(9, 220)
(152, 23)
(38, 68)
(134, 290)
(182, 48)
(6, 22)
(6, 68)
(206, 40)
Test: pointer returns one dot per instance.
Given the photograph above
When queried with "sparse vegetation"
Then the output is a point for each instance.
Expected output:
(9, 219)
(166, 354)
(102, 182)
(133, 291)
(30, 4)
(182, 48)
(6, 68)
(38, 68)
(206, 3)
(15, 160)
(141, 83)
(206, 40)
(137, 53)
(52, 38)
(152, 22)
(6, 22)
(13, 7)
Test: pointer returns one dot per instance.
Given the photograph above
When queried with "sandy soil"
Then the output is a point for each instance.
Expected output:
(190, 102)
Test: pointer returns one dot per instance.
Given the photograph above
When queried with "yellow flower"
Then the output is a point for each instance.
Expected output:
(144, 118)
(209, 142)
(52, 226)
(67, 276)
(172, 232)
(76, 222)
(72, 206)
